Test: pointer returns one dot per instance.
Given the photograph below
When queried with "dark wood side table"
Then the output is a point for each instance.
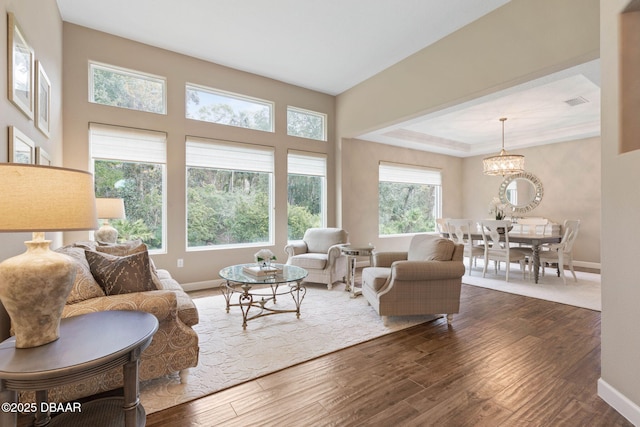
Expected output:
(89, 344)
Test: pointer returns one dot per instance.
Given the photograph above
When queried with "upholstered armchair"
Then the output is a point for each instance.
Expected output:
(426, 279)
(319, 253)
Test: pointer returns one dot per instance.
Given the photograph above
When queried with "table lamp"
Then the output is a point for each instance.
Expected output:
(107, 209)
(34, 286)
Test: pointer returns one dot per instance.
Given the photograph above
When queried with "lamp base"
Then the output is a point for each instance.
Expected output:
(34, 287)
(106, 234)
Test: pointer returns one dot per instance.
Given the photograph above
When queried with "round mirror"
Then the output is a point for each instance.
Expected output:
(521, 192)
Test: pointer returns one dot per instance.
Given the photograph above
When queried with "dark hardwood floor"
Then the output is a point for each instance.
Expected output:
(507, 360)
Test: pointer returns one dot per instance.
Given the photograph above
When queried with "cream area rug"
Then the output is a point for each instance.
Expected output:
(584, 293)
(330, 320)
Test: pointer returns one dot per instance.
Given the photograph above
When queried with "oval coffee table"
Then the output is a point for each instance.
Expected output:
(268, 288)
(89, 344)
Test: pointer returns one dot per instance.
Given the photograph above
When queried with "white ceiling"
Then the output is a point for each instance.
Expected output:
(332, 45)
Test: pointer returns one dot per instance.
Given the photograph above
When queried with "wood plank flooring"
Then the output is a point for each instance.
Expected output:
(507, 360)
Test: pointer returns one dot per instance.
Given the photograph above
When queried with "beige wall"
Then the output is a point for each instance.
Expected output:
(570, 175)
(360, 160)
(43, 31)
(82, 44)
(620, 206)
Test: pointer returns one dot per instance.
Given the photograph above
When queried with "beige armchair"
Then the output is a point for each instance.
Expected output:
(427, 279)
(319, 253)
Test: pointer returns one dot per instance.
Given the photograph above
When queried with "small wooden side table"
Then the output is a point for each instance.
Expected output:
(352, 252)
(89, 344)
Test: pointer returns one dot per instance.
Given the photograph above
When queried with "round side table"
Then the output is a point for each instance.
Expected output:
(89, 344)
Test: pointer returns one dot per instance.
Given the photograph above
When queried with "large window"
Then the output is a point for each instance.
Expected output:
(229, 194)
(226, 108)
(307, 188)
(409, 199)
(119, 87)
(131, 164)
(306, 124)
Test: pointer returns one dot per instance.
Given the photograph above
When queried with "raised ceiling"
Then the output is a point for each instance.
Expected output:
(332, 45)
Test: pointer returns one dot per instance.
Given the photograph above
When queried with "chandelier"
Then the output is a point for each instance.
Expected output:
(504, 163)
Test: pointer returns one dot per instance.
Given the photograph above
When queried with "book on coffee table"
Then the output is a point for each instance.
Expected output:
(258, 271)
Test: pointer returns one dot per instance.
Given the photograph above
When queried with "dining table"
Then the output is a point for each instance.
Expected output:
(529, 239)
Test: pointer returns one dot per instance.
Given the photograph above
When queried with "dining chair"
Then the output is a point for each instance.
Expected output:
(497, 249)
(534, 227)
(561, 253)
(441, 225)
(460, 232)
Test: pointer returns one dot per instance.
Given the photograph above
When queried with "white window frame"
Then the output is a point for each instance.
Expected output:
(310, 164)
(412, 174)
(151, 150)
(205, 153)
(298, 110)
(232, 96)
(131, 73)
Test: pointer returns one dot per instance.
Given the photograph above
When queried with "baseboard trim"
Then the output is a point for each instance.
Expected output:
(587, 264)
(619, 402)
(198, 286)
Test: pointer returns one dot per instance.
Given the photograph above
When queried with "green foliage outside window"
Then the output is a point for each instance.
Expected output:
(121, 89)
(227, 207)
(306, 124)
(140, 185)
(406, 208)
(304, 204)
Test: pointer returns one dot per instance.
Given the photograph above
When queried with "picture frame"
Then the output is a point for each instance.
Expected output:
(43, 100)
(20, 71)
(42, 157)
(21, 148)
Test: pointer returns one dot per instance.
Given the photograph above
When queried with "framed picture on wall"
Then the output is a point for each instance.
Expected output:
(21, 148)
(20, 68)
(43, 100)
(42, 157)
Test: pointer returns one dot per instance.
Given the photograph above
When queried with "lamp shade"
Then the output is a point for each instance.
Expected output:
(109, 208)
(45, 198)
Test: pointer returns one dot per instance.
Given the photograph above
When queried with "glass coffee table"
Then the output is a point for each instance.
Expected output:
(260, 288)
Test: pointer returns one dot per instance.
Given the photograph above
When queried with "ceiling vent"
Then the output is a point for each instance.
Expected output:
(576, 101)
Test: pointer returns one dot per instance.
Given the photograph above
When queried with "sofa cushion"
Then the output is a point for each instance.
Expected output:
(375, 277)
(129, 248)
(430, 248)
(321, 239)
(187, 311)
(84, 286)
(121, 275)
(313, 261)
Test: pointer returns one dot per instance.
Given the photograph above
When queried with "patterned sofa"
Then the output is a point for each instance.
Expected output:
(174, 347)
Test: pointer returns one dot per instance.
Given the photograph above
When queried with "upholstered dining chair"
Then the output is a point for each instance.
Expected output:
(319, 253)
(460, 232)
(497, 250)
(426, 279)
(561, 253)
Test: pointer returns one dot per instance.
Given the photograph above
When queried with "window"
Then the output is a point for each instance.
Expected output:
(226, 108)
(119, 87)
(306, 124)
(307, 193)
(229, 194)
(131, 164)
(410, 199)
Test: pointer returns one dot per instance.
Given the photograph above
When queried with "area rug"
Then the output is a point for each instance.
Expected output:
(584, 293)
(330, 320)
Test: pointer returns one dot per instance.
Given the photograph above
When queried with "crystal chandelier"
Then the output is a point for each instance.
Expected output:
(504, 163)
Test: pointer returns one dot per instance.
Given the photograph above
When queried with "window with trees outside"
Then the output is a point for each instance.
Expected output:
(306, 124)
(226, 108)
(307, 192)
(120, 87)
(229, 194)
(410, 199)
(131, 164)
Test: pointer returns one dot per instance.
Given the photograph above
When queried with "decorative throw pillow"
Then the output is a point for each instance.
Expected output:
(85, 286)
(121, 275)
(129, 248)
